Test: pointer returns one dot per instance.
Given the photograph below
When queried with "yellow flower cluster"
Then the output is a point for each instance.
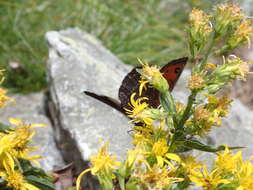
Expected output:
(156, 178)
(200, 29)
(242, 34)
(232, 24)
(196, 82)
(3, 97)
(238, 67)
(208, 115)
(229, 170)
(200, 21)
(14, 145)
(229, 12)
(213, 77)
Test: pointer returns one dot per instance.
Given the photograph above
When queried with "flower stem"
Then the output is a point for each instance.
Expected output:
(168, 104)
(193, 95)
(208, 52)
(186, 114)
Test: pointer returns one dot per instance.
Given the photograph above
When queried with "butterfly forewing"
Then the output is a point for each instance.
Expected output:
(172, 71)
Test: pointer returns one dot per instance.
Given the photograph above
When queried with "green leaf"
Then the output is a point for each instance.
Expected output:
(29, 169)
(70, 188)
(226, 187)
(133, 185)
(40, 182)
(105, 181)
(167, 102)
(36, 176)
(3, 186)
(123, 174)
(169, 106)
(4, 128)
(194, 144)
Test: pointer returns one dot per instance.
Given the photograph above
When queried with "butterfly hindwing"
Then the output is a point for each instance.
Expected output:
(130, 83)
(107, 100)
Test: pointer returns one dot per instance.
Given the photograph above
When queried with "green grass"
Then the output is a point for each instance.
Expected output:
(149, 29)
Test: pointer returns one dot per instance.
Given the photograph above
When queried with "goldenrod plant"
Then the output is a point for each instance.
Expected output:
(163, 137)
(16, 170)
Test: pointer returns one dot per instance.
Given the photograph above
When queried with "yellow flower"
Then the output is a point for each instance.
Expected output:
(138, 110)
(145, 130)
(208, 181)
(156, 178)
(180, 107)
(201, 114)
(139, 139)
(220, 106)
(136, 155)
(205, 118)
(16, 181)
(2, 71)
(15, 144)
(227, 162)
(6, 160)
(22, 136)
(245, 176)
(242, 34)
(232, 68)
(209, 65)
(102, 163)
(227, 14)
(238, 67)
(232, 8)
(199, 31)
(196, 82)
(190, 164)
(3, 98)
(143, 84)
(149, 72)
(210, 114)
(159, 149)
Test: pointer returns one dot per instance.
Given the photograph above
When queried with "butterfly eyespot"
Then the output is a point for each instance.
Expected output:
(177, 70)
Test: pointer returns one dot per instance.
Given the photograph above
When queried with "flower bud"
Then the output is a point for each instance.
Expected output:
(241, 35)
(199, 31)
(196, 82)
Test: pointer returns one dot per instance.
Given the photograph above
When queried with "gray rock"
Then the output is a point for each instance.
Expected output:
(78, 62)
(30, 108)
(247, 6)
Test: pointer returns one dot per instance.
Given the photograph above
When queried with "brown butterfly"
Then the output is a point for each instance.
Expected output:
(130, 85)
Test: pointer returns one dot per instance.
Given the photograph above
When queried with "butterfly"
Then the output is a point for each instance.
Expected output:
(130, 84)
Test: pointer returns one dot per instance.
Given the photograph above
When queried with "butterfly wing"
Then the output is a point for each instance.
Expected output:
(107, 100)
(172, 71)
(130, 83)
